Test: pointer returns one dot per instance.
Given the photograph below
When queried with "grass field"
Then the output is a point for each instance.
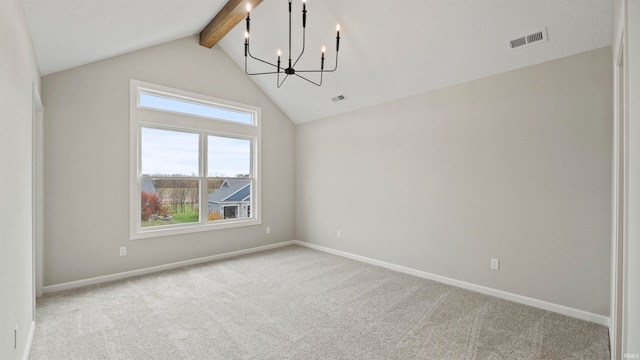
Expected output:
(176, 219)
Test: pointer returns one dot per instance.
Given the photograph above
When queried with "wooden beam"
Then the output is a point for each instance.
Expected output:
(227, 18)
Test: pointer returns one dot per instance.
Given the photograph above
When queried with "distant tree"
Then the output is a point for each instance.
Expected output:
(214, 184)
(177, 193)
(161, 189)
(192, 195)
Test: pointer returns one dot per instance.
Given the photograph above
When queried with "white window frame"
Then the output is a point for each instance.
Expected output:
(161, 119)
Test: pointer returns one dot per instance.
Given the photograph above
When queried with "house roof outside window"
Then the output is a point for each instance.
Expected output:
(231, 190)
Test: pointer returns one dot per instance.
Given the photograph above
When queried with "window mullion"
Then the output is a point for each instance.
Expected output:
(204, 192)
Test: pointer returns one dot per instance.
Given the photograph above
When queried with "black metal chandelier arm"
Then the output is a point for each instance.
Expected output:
(278, 83)
(255, 58)
(313, 82)
(320, 71)
(260, 73)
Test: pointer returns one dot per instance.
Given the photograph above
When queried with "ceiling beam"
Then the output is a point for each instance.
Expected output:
(227, 18)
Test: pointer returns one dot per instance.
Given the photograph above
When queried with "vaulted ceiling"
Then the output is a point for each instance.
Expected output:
(389, 49)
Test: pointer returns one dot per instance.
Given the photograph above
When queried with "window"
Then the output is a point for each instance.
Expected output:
(194, 162)
(230, 212)
(191, 108)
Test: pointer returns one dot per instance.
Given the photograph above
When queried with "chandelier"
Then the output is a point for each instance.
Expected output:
(290, 69)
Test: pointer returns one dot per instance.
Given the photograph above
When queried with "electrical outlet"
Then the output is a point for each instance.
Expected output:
(123, 251)
(495, 264)
(339, 234)
(268, 230)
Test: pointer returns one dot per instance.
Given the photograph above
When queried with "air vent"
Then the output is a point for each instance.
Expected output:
(340, 97)
(518, 42)
(536, 37)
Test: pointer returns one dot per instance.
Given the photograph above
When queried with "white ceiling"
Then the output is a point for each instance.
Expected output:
(389, 49)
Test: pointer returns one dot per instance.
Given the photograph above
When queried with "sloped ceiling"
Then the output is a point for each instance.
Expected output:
(389, 49)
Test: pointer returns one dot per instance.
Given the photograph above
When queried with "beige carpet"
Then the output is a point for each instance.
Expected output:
(297, 303)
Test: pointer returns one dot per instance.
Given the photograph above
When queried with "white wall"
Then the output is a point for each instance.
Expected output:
(631, 340)
(87, 162)
(18, 74)
(516, 166)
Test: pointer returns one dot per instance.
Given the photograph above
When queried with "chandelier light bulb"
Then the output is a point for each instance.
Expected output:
(246, 35)
(279, 52)
(248, 7)
(338, 27)
(323, 49)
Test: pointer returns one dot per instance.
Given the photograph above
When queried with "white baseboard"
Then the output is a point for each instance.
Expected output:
(540, 304)
(153, 269)
(27, 347)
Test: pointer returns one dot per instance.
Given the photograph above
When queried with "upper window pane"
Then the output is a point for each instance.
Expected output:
(189, 108)
(169, 153)
(228, 157)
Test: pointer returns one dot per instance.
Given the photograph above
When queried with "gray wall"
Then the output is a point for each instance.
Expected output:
(87, 162)
(617, 19)
(515, 166)
(18, 75)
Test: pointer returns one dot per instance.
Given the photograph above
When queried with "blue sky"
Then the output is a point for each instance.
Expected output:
(172, 152)
(185, 107)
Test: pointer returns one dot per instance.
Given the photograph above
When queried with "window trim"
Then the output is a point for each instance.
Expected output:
(162, 119)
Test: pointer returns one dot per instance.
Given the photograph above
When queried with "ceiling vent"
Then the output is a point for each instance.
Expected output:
(536, 37)
(340, 97)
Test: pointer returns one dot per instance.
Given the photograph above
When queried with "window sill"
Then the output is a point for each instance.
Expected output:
(187, 229)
